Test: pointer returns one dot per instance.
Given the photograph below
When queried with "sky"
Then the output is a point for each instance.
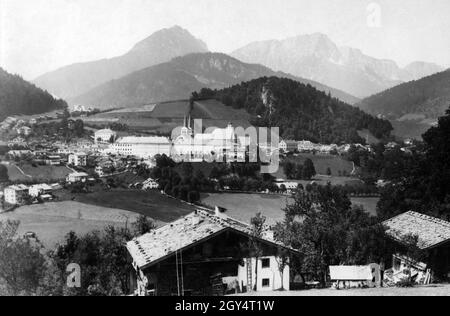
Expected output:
(37, 36)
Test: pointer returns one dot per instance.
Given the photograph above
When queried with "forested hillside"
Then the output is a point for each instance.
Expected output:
(18, 96)
(300, 111)
(427, 98)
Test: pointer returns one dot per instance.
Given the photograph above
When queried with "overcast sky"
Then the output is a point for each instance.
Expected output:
(37, 36)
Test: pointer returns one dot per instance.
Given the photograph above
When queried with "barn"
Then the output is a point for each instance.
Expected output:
(207, 253)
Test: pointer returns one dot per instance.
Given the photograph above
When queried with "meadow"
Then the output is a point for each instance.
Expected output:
(245, 206)
(51, 222)
(27, 172)
(152, 204)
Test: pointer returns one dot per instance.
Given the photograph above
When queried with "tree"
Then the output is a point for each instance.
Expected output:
(289, 169)
(329, 173)
(3, 174)
(326, 230)
(143, 225)
(424, 184)
(253, 247)
(309, 170)
(103, 259)
(282, 261)
(22, 265)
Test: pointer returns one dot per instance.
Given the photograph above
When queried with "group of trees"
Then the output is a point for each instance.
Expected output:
(185, 185)
(424, 185)
(66, 129)
(389, 164)
(324, 227)
(242, 177)
(299, 171)
(300, 111)
(26, 269)
(3, 174)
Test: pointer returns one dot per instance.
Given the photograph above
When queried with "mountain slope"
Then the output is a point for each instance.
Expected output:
(317, 58)
(18, 96)
(178, 78)
(424, 99)
(160, 47)
(300, 111)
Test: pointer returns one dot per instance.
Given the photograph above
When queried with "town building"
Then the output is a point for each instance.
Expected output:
(105, 136)
(142, 147)
(220, 144)
(288, 146)
(150, 184)
(77, 177)
(289, 186)
(78, 159)
(433, 240)
(16, 194)
(40, 189)
(19, 153)
(24, 130)
(99, 171)
(306, 146)
(202, 254)
(53, 160)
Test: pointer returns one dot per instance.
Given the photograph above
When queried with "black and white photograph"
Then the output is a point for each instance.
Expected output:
(224, 154)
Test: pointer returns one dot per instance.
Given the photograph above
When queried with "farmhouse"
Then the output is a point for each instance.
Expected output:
(204, 253)
(105, 136)
(433, 236)
(16, 194)
(288, 145)
(78, 159)
(40, 189)
(77, 177)
(142, 147)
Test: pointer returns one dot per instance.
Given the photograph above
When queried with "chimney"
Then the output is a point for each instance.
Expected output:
(217, 211)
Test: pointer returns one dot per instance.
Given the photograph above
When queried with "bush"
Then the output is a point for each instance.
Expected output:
(405, 283)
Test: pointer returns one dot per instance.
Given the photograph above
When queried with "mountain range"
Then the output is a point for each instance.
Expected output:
(160, 47)
(317, 57)
(152, 71)
(416, 104)
(18, 96)
(181, 76)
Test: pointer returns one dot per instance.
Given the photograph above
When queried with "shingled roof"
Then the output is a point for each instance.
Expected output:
(431, 231)
(155, 246)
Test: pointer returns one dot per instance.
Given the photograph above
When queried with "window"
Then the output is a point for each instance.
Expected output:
(266, 282)
(265, 263)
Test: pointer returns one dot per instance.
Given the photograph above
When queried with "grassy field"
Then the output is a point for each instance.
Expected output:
(245, 206)
(166, 116)
(53, 221)
(53, 173)
(149, 203)
(430, 290)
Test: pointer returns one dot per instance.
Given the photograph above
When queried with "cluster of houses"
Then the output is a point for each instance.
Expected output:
(23, 126)
(220, 143)
(305, 146)
(199, 254)
(19, 194)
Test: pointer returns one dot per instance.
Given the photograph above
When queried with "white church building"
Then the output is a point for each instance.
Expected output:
(219, 144)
